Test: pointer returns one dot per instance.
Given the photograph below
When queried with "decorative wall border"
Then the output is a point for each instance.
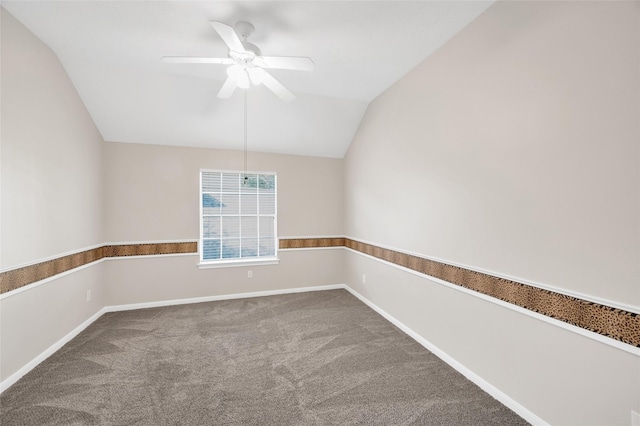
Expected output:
(22, 276)
(150, 249)
(314, 242)
(608, 321)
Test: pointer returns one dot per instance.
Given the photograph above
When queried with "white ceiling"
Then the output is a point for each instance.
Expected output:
(112, 49)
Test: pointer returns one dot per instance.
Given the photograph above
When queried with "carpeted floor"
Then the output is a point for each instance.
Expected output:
(317, 358)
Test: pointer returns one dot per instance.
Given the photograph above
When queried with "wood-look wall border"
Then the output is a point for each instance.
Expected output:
(20, 277)
(615, 323)
(296, 243)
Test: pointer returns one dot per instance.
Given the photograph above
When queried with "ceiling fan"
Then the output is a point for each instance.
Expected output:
(246, 63)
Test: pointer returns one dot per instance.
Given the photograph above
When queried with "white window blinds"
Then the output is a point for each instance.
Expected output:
(238, 216)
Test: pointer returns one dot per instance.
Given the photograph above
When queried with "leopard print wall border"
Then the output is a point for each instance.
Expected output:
(150, 249)
(16, 278)
(615, 323)
(20, 277)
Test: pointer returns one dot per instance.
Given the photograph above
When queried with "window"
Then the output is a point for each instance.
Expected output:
(237, 218)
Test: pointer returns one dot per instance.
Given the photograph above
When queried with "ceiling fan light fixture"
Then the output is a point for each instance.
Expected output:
(234, 71)
(239, 74)
(243, 80)
(256, 74)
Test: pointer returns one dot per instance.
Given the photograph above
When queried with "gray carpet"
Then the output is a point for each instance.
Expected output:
(317, 358)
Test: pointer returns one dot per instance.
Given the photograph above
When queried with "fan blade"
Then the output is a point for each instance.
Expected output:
(276, 87)
(228, 88)
(289, 63)
(228, 35)
(196, 60)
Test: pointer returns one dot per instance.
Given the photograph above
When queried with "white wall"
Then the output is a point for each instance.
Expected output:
(51, 189)
(513, 149)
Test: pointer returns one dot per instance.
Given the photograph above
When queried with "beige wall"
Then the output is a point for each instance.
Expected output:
(51, 155)
(33, 320)
(64, 189)
(51, 189)
(151, 191)
(158, 279)
(560, 376)
(513, 149)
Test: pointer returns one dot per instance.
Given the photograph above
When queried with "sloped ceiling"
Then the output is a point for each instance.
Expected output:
(112, 50)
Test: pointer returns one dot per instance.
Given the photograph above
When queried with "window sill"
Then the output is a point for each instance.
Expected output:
(238, 263)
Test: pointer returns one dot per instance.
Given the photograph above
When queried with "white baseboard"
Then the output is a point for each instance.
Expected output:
(4, 385)
(483, 384)
(161, 303)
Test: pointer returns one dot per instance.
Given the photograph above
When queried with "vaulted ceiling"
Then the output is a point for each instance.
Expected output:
(112, 52)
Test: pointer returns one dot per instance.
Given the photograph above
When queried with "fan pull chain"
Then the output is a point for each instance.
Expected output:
(245, 137)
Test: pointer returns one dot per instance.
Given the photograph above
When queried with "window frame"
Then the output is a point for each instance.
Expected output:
(242, 261)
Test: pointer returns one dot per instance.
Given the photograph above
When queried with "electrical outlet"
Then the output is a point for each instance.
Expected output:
(364, 278)
(88, 296)
(635, 419)
(250, 274)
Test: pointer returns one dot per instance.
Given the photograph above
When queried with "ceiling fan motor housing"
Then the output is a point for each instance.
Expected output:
(244, 29)
(251, 48)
